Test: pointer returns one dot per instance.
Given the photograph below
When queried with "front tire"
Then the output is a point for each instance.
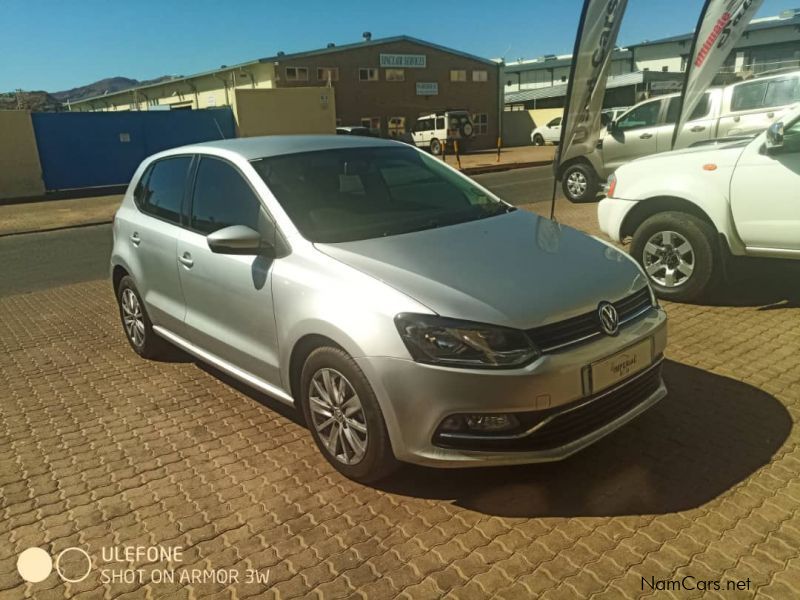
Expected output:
(436, 147)
(579, 183)
(136, 322)
(344, 417)
(538, 140)
(679, 254)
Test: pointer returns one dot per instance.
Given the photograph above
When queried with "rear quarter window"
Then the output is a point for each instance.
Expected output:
(161, 190)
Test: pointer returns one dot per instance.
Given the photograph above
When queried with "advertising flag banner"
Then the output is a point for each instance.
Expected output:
(591, 60)
(721, 24)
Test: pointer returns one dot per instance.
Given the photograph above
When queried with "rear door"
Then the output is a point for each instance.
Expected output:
(229, 309)
(635, 135)
(153, 239)
(699, 127)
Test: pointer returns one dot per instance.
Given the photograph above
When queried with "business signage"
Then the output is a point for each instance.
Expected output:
(404, 61)
(427, 88)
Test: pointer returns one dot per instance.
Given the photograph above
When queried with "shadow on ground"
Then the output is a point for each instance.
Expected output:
(707, 435)
(769, 284)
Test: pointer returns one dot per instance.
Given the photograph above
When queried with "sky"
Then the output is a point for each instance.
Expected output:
(56, 45)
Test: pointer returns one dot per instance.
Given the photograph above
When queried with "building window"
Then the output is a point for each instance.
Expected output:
(480, 75)
(481, 122)
(397, 126)
(665, 69)
(296, 73)
(373, 123)
(327, 74)
(563, 79)
(368, 74)
(458, 75)
(395, 75)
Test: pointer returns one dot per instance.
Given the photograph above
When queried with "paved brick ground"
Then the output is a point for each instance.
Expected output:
(99, 448)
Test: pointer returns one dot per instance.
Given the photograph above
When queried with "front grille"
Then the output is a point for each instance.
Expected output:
(576, 330)
(571, 422)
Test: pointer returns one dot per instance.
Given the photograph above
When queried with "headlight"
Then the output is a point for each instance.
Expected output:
(437, 340)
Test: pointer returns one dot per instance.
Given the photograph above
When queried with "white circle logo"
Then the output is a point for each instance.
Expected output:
(34, 565)
(88, 566)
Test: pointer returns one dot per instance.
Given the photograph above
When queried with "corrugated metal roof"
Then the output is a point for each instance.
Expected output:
(542, 63)
(560, 89)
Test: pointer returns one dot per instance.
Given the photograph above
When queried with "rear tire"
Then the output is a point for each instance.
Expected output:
(436, 147)
(344, 417)
(579, 183)
(538, 140)
(679, 253)
(136, 322)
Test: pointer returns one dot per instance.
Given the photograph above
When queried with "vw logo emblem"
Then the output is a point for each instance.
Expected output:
(609, 319)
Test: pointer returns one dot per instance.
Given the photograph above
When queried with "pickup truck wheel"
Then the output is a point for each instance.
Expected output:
(538, 140)
(579, 183)
(678, 253)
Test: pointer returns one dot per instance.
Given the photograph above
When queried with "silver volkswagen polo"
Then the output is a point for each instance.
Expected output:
(410, 314)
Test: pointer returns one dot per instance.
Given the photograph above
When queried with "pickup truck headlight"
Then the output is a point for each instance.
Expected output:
(449, 342)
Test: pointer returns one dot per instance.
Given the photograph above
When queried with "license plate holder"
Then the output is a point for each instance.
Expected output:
(617, 367)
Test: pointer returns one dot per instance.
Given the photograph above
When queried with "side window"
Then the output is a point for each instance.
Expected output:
(700, 111)
(555, 122)
(222, 198)
(748, 96)
(439, 122)
(645, 115)
(781, 92)
(162, 193)
(791, 138)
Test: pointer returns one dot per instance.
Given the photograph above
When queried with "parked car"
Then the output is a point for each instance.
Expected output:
(353, 130)
(405, 310)
(743, 108)
(549, 133)
(438, 131)
(686, 211)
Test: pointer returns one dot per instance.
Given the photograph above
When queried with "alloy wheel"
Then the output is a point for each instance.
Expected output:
(577, 184)
(338, 416)
(132, 317)
(668, 258)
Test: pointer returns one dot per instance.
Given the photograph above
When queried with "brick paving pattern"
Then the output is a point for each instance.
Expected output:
(99, 448)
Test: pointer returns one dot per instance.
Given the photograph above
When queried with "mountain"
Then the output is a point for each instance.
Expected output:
(34, 101)
(108, 85)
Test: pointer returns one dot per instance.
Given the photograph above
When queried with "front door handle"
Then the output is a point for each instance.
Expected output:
(698, 128)
(135, 239)
(770, 115)
(186, 260)
(645, 136)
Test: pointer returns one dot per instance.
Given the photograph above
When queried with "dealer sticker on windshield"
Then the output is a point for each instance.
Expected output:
(622, 365)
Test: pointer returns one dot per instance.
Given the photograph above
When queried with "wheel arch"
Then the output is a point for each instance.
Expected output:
(117, 273)
(573, 161)
(659, 204)
(301, 350)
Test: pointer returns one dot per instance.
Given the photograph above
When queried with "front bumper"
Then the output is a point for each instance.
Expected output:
(611, 213)
(416, 398)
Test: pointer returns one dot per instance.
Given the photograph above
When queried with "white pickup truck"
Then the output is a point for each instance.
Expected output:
(686, 211)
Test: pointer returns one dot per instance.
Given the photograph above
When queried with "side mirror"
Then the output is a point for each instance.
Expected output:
(775, 137)
(238, 239)
(611, 126)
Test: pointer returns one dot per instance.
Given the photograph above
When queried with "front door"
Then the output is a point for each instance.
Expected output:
(229, 309)
(765, 194)
(552, 131)
(634, 135)
(698, 128)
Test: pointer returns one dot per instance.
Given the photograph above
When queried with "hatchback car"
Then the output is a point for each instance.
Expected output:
(410, 314)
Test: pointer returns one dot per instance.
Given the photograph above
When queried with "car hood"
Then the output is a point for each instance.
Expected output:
(721, 155)
(516, 269)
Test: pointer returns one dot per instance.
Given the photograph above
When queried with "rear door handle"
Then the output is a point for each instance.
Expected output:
(186, 260)
(645, 136)
(135, 239)
(697, 128)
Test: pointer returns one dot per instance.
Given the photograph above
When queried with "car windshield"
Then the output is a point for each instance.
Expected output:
(362, 193)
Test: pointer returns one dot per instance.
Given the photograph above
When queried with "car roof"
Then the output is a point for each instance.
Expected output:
(275, 145)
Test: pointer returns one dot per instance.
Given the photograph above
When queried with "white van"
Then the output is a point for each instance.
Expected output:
(744, 108)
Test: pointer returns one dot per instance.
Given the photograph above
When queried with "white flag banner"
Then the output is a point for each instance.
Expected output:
(721, 24)
(591, 61)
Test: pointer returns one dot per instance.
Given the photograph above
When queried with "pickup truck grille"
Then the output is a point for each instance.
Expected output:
(585, 327)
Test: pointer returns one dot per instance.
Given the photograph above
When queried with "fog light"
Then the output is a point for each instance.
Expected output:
(453, 423)
(491, 423)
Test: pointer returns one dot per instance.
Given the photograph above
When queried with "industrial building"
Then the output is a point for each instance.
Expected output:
(384, 84)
